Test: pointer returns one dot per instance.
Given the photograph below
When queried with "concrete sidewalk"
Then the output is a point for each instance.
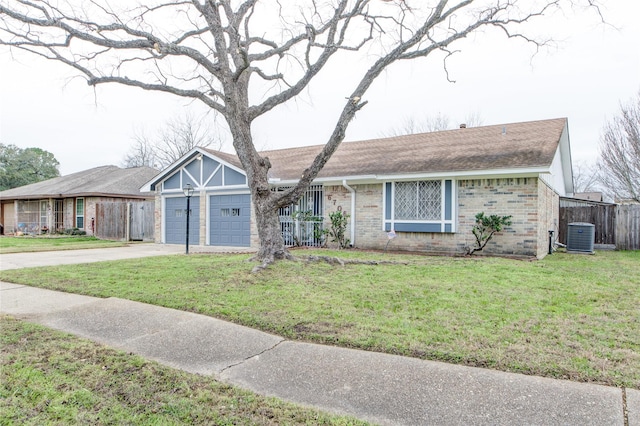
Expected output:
(384, 389)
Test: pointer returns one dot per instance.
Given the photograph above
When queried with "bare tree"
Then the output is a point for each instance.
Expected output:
(177, 137)
(473, 119)
(619, 149)
(585, 177)
(412, 125)
(214, 51)
(141, 153)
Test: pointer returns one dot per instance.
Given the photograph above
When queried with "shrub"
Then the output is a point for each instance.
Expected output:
(74, 231)
(484, 229)
(338, 229)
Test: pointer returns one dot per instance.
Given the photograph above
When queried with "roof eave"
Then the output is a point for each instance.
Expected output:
(460, 174)
(78, 195)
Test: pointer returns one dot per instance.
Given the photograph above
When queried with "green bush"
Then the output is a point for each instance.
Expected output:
(74, 231)
(484, 229)
(338, 229)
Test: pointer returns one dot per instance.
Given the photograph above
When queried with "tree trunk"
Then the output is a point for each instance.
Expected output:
(272, 246)
(268, 222)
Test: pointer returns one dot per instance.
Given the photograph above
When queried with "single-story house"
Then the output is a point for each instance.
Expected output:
(70, 201)
(426, 188)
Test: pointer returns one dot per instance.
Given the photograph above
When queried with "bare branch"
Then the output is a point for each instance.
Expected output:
(619, 163)
(223, 52)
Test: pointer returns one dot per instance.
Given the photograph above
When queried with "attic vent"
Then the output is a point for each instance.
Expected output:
(463, 126)
(581, 237)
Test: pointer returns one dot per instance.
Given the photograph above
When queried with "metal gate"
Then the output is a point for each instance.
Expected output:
(302, 223)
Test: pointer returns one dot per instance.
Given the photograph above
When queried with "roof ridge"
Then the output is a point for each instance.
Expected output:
(414, 135)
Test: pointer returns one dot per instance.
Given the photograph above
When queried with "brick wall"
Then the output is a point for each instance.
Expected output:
(203, 217)
(533, 205)
(517, 197)
(549, 208)
(158, 217)
(254, 240)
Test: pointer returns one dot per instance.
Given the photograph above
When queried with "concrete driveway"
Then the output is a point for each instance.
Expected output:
(131, 251)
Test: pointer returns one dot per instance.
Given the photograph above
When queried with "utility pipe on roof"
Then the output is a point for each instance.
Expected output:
(353, 212)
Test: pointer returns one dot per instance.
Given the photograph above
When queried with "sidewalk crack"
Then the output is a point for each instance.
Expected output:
(252, 356)
(17, 287)
(625, 409)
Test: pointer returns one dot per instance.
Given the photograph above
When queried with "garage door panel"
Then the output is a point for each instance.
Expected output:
(176, 220)
(230, 217)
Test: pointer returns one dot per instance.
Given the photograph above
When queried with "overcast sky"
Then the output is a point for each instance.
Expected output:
(585, 78)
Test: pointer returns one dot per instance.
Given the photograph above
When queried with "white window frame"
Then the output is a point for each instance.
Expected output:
(80, 215)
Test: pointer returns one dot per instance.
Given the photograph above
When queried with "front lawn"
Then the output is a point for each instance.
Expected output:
(30, 243)
(567, 316)
(53, 378)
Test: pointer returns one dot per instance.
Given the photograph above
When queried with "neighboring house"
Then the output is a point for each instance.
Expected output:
(589, 196)
(70, 201)
(427, 188)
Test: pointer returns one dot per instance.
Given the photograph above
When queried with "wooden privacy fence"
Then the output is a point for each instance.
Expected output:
(617, 225)
(132, 221)
(603, 216)
(628, 227)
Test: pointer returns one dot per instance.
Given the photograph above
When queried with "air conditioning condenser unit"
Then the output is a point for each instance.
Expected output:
(581, 237)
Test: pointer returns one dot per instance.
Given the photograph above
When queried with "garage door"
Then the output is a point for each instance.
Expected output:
(230, 220)
(175, 221)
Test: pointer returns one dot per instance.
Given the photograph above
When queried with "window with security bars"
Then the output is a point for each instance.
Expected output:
(421, 200)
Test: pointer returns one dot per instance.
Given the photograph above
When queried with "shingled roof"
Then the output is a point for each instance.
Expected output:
(108, 181)
(528, 147)
(506, 146)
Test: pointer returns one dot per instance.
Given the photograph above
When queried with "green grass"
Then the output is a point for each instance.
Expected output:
(567, 316)
(29, 243)
(49, 377)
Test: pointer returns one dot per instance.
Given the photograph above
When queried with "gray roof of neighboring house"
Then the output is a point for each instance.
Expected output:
(105, 181)
(505, 146)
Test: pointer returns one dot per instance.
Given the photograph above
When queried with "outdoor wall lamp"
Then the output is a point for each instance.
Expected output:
(188, 192)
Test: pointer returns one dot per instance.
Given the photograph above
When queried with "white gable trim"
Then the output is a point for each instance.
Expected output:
(183, 161)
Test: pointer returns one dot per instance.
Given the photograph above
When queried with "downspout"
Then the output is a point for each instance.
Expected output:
(353, 211)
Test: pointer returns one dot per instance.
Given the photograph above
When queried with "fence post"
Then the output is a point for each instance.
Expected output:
(127, 224)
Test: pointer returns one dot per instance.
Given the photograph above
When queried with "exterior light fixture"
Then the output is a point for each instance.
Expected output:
(188, 192)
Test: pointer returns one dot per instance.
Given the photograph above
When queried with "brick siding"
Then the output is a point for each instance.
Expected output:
(532, 204)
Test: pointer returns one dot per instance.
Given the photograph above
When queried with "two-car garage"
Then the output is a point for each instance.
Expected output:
(220, 204)
(228, 222)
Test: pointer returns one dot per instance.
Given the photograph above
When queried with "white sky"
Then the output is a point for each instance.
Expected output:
(594, 68)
